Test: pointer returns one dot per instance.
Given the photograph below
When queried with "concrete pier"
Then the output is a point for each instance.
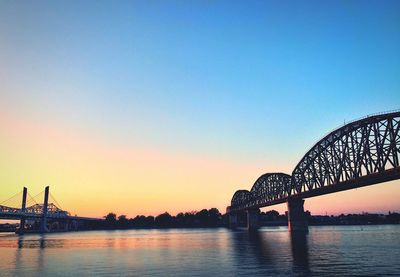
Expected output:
(253, 219)
(233, 220)
(297, 220)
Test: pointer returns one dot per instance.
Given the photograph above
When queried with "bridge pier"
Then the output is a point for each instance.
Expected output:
(66, 225)
(297, 220)
(252, 219)
(233, 220)
(43, 221)
(74, 225)
(21, 229)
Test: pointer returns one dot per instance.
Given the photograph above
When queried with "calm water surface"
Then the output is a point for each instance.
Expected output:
(325, 251)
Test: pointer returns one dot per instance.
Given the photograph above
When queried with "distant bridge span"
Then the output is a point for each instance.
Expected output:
(44, 215)
(361, 153)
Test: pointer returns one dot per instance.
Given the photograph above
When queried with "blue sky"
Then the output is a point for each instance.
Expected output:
(243, 80)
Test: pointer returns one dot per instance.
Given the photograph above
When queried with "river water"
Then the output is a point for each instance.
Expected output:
(324, 251)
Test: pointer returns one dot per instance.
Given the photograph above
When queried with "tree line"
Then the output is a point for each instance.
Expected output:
(203, 218)
(213, 218)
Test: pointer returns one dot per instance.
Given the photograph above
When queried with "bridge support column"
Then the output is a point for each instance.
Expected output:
(43, 221)
(74, 224)
(66, 226)
(297, 220)
(252, 219)
(21, 229)
(233, 220)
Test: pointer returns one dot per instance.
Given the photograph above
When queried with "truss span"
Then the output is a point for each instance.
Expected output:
(369, 147)
(240, 199)
(360, 153)
(270, 187)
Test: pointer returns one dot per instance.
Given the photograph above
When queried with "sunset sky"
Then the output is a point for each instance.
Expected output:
(141, 107)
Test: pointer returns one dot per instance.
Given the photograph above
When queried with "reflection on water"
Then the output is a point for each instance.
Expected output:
(300, 252)
(345, 250)
(271, 251)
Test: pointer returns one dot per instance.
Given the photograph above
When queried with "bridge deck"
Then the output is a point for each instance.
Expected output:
(372, 179)
(18, 216)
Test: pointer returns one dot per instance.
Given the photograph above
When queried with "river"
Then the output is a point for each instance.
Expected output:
(324, 251)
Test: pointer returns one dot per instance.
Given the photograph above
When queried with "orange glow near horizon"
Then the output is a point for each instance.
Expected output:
(91, 177)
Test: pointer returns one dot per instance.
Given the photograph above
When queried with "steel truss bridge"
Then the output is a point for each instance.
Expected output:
(361, 153)
(46, 214)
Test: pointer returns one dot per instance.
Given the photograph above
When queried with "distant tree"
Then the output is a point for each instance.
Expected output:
(272, 215)
(213, 212)
(111, 217)
(164, 220)
(215, 218)
(393, 218)
(111, 220)
(186, 219)
(149, 221)
(180, 220)
(140, 220)
(122, 221)
(202, 217)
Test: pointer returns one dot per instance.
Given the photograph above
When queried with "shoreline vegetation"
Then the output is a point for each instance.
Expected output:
(212, 218)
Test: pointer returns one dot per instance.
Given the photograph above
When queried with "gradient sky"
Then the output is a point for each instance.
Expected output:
(140, 107)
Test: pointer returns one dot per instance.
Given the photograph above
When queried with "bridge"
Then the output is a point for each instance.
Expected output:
(361, 153)
(41, 217)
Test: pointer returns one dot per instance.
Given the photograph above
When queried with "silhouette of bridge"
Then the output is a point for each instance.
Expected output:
(36, 216)
(361, 153)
